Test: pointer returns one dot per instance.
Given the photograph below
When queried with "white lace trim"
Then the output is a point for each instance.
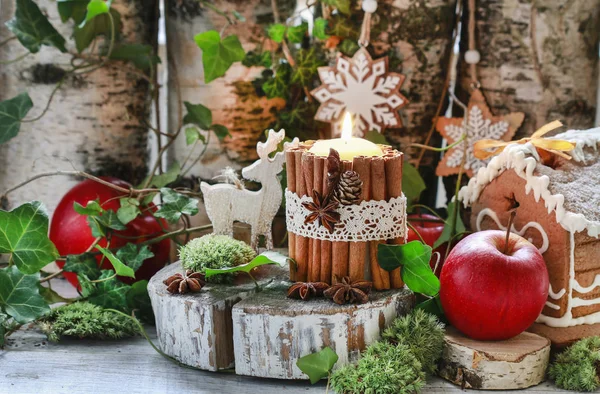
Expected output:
(368, 221)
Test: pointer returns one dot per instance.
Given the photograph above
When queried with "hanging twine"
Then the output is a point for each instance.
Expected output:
(369, 7)
(472, 56)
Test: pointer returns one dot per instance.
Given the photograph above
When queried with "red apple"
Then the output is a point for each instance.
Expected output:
(430, 228)
(70, 232)
(489, 294)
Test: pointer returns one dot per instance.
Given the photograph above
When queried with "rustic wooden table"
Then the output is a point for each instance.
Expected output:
(30, 364)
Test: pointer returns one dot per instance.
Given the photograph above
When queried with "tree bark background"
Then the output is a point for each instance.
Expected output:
(96, 121)
(540, 58)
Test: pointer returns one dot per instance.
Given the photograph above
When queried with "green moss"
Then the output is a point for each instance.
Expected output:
(576, 367)
(422, 333)
(215, 251)
(384, 368)
(85, 320)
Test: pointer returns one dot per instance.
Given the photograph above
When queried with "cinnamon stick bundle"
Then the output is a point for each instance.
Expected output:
(290, 166)
(358, 250)
(340, 249)
(301, 242)
(381, 278)
(393, 172)
(326, 246)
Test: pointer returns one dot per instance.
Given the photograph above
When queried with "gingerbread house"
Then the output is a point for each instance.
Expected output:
(557, 205)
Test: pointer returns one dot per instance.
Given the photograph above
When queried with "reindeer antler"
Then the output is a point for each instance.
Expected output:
(273, 139)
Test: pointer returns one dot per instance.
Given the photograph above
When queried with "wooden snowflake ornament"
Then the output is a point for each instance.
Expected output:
(364, 88)
(478, 124)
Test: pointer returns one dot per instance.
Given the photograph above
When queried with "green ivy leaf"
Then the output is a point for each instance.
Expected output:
(276, 32)
(258, 59)
(120, 268)
(296, 34)
(139, 300)
(75, 9)
(95, 8)
(278, 85)
(24, 234)
(142, 56)
(128, 210)
(433, 306)
(376, 137)
(447, 231)
(12, 112)
(108, 220)
(32, 28)
(193, 134)
(247, 268)
(164, 179)
(174, 205)
(320, 28)
(109, 292)
(218, 55)
(198, 114)
(100, 25)
(307, 65)
(20, 296)
(132, 257)
(50, 296)
(92, 208)
(348, 47)
(342, 6)
(220, 131)
(318, 365)
(412, 182)
(83, 264)
(414, 258)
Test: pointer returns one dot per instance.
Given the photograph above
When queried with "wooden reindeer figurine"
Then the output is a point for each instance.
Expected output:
(226, 203)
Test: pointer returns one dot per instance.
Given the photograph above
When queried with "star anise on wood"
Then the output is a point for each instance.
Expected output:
(323, 210)
(349, 292)
(183, 283)
(306, 290)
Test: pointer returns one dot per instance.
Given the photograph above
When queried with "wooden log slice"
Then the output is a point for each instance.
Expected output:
(271, 332)
(516, 363)
(196, 328)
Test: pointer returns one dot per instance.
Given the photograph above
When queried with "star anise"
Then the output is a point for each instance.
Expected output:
(349, 292)
(182, 283)
(323, 210)
(307, 290)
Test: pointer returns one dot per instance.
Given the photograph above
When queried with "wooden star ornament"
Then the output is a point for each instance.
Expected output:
(478, 124)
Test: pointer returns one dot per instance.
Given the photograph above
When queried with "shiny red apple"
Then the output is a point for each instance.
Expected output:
(70, 232)
(429, 228)
(490, 292)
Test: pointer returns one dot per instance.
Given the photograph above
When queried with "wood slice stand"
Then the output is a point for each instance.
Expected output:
(265, 333)
(270, 332)
(517, 363)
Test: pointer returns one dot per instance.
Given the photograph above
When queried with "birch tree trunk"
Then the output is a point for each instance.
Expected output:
(232, 98)
(540, 58)
(96, 121)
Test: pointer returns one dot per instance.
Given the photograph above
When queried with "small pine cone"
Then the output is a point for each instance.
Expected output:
(349, 189)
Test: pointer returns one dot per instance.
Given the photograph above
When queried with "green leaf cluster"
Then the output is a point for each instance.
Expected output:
(12, 112)
(422, 333)
(384, 368)
(295, 34)
(32, 28)
(20, 297)
(174, 205)
(318, 365)
(215, 252)
(576, 368)
(218, 54)
(86, 320)
(201, 116)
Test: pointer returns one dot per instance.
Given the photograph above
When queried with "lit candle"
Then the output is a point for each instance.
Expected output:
(348, 147)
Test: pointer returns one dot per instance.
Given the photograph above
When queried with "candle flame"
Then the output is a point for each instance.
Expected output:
(347, 127)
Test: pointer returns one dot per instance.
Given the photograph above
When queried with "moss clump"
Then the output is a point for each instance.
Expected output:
(384, 368)
(577, 367)
(215, 252)
(422, 333)
(85, 320)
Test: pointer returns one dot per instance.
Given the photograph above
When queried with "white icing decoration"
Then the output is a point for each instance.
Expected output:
(367, 221)
(490, 213)
(523, 158)
(556, 296)
(553, 306)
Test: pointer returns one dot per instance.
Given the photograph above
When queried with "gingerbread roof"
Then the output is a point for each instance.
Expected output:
(571, 190)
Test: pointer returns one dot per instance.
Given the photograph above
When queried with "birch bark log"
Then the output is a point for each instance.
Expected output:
(96, 121)
(540, 58)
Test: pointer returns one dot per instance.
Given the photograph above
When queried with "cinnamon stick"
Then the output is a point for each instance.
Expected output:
(314, 272)
(326, 246)
(308, 170)
(340, 249)
(358, 250)
(301, 242)
(290, 166)
(393, 175)
(381, 278)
